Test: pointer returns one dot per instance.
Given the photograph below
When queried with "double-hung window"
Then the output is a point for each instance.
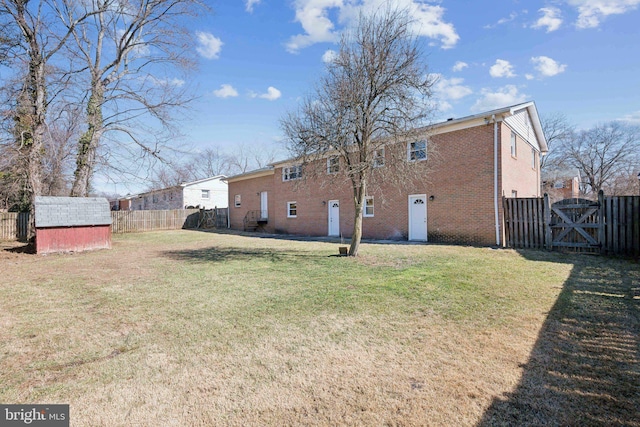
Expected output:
(333, 165)
(205, 194)
(368, 206)
(292, 209)
(292, 172)
(417, 151)
(378, 158)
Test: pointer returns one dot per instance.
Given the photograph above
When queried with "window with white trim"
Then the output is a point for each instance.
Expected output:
(417, 151)
(292, 209)
(205, 194)
(237, 200)
(533, 159)
(368, 206)
(514, 145)
(378, 158)
(333, 165)
(292, 172)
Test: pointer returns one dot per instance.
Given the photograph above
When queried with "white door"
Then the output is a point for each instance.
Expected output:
(334, 218)
(418, 217)
(264, 210)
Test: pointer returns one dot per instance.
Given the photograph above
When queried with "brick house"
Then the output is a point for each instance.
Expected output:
(481, 158)
(205, 193)
(562, 185)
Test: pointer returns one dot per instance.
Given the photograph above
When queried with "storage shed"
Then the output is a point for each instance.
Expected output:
(72, 224)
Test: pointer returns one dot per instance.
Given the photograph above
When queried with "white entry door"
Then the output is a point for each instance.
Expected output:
(264, 210)
(334, 217)
(418, 217)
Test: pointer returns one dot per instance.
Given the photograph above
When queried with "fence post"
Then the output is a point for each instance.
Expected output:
(548, 236)
(601, 224)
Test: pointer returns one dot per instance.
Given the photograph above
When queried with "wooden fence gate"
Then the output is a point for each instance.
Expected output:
(609, 225)
(576, 225)
(213, 218)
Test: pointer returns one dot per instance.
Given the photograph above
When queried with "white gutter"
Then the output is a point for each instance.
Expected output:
(495, 178)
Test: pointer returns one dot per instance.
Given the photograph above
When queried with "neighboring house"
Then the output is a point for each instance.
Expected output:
(480, 159)
(205, 193)
(560, 185)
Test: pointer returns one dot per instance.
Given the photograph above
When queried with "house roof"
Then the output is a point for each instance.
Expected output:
(502, 113)
(441, 127)
(182, 185)
(268, 170)
(186, 184)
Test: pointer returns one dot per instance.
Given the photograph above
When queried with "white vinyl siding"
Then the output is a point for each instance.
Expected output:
(520, 122)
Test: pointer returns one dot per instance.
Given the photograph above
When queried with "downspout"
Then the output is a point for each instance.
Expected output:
(495, 179)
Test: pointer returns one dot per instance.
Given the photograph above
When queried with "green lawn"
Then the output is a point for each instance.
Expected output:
(191, 328)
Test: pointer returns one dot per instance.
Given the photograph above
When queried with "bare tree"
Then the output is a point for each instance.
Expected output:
(131, 50)
(603, 153)
(31, 41)
(244, 158)
(210, 162)
(372, 97)
(557, 130)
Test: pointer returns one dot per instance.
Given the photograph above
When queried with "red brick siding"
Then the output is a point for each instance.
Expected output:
(460, 179)
(249, 190)
(517, 173)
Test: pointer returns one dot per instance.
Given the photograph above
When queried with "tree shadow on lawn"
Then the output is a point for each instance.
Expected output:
(584, 369)
(223, 253)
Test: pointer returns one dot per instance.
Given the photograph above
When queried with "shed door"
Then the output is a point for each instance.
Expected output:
(334, 218)
(418, 217)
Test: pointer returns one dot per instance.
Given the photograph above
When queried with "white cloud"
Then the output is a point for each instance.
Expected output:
(249, 4)
(459, 66)
(547, 67)
(529, 76)
(550, 19)
(633, 118)
(226, 91)
(272, 94)
(318, 27)
(167, 82)
(512, 16)
(451, 89)
(329, 56)
(313, 16)
(502, 68)
(209, 46)
(446, 90)
(503, 97)
(591, 12)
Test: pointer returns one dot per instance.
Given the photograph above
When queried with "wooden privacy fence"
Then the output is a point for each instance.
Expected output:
(135, 221)
(609, 225)
(14, 226)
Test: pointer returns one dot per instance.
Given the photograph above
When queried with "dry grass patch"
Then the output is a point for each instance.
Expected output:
(190, 328)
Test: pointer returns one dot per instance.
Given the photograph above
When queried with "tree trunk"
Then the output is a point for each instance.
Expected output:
(89, 142)
(34, 141)
(356, 236)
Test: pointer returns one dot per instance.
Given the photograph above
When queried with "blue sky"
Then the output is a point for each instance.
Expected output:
(259, 57)
(579, 57)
